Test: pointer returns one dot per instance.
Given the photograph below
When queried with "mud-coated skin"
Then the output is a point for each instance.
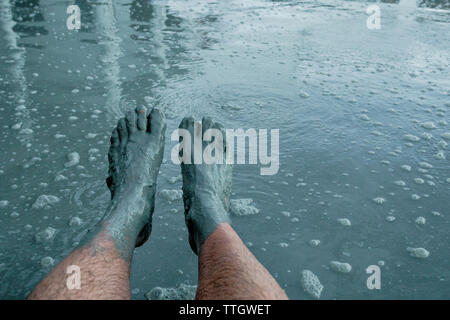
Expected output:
(206, 188)
(135, 155)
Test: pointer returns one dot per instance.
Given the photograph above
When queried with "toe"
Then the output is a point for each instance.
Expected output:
(123, 131)
(220, 127)
(156, 122)
(187, 123)
(130, 120)
(113, 151)
(141, 118)
(207, 123)
(115, 139)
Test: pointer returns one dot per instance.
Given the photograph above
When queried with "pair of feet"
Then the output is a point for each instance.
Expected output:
(135, 156)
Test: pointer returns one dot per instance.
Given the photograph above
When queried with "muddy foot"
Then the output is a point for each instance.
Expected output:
(206, 188)
(135, 155)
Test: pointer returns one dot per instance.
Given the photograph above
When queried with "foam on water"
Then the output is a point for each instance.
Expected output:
(311, 284)
(243, 207)
(420, 253)
(342, 267)
(181, 292)
(344, 221)
(73, 159)
(45, 202)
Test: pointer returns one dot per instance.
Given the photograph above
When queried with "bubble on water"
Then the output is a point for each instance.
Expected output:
(442, 144)
(425, 165)
(446, 135)
(379, 200)
(440, 155)
(243, 207)
(181, 292)
(418, 252)
(74, 159)
(344, 221)
(73, 118)
(93, 151)
(415, 197)
(283, 245)
(45, 201)
(406, 167)
(314, 242)
(3, 204)
(376, 133)
(390, 218)
(428, 125)
(342, 267)
(46, 235)
(364, 117)
(75, 222)
(411, 138)
(47, 262)
(400, 183)
(286, 214)
(91, 135)
(135, 291)
(303, 94)
(60, 177)
(436, 213)
(31, 162)
(420, 220)
(311, 283)
(426, 136)
(26, 131)
(171, 195)
(419, 180)
(17, 126)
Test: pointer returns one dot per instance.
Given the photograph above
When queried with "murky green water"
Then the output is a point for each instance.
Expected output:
(363, 115)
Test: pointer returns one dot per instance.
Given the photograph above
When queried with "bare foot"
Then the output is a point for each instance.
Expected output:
(206, 188)
(135, 155)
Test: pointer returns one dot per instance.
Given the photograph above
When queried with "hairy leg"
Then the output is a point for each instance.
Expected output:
(135, 155)
(227, 269)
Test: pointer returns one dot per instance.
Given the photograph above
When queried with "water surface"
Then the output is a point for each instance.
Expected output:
(343, 97)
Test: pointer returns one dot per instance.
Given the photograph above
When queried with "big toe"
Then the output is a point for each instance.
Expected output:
(141, 113)
(123, 132)
(207, 123)
(188, 124)
(156, 122)
(130, 121)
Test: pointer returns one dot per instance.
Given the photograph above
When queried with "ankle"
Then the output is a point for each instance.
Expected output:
(202, 219)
